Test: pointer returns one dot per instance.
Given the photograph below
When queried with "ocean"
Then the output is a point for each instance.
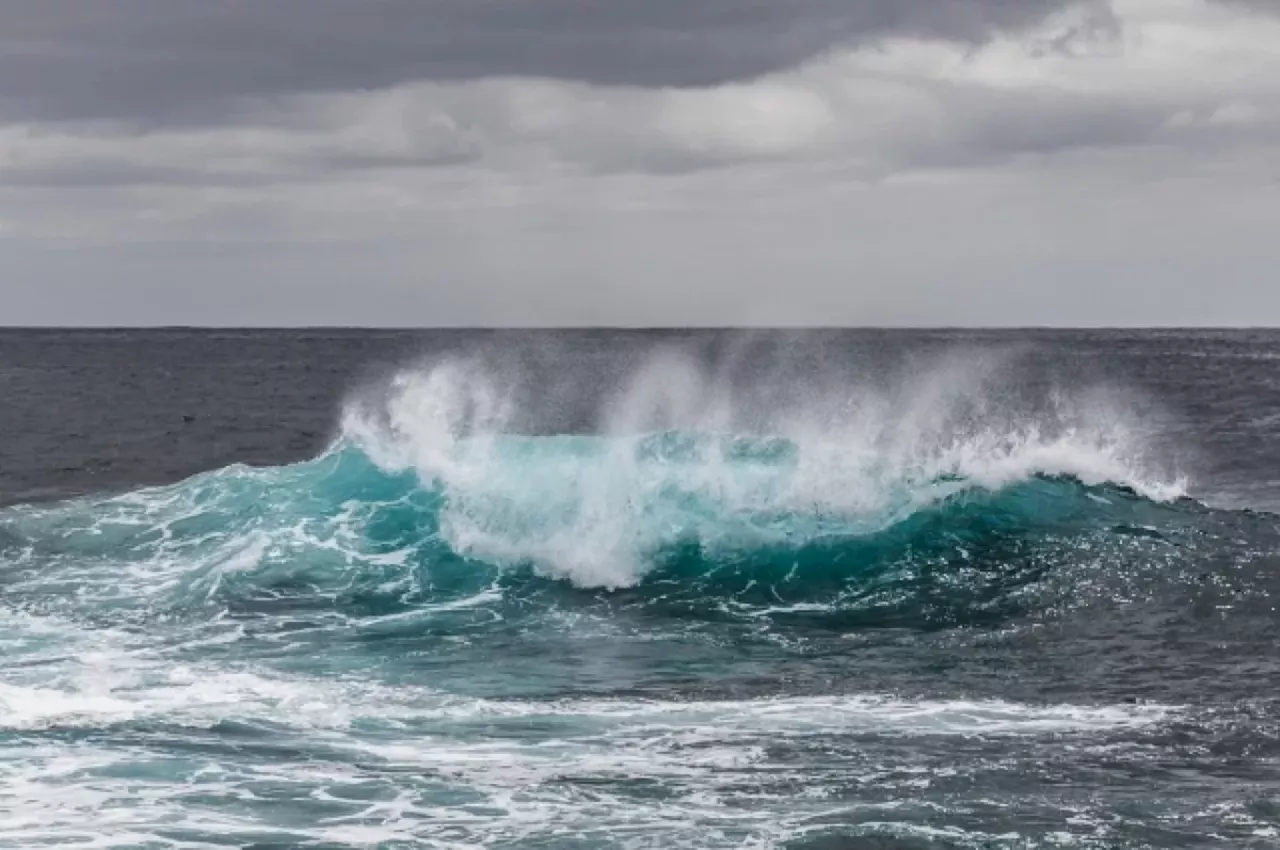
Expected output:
(636, 589)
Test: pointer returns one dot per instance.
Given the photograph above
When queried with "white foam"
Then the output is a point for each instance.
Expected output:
(865, 456)
(849, 714)
(107, 687)
(175, 546)
(464, 770)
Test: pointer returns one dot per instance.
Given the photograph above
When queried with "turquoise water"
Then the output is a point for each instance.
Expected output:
(436, 634)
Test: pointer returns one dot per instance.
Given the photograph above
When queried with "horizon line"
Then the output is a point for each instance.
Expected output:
(628, 328)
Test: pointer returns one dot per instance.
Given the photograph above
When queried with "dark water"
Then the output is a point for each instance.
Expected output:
(641, 590)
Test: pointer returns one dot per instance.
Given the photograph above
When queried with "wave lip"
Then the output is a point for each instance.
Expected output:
(430, 494)
(729, 519)
(601, 511)
(681, 456)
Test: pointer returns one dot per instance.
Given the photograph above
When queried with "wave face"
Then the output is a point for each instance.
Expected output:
(672, 466)
(427, 488)
(456, 629)
(726, 518)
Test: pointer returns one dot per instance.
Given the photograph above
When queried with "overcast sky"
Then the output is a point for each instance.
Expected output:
(640, 162)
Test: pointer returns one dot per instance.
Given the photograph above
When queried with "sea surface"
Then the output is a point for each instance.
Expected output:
(604, 589)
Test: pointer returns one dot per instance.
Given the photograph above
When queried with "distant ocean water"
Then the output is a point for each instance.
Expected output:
(605, 589)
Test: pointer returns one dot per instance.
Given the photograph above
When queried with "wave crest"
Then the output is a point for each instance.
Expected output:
(936, 502)
(676, 459)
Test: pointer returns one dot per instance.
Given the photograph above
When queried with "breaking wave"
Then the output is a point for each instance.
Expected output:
(431, 496)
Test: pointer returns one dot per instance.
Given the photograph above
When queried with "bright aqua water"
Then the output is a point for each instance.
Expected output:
(937, 619)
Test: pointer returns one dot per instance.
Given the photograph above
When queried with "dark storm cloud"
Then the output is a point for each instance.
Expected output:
(191, 60)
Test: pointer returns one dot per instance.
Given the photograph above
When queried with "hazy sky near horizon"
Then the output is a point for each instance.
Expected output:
(640, 162)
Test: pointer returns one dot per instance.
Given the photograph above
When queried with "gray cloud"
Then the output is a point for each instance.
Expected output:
(1255, 5)
(302, 164)
(192, 60)
(1087, 241)
(717, 161)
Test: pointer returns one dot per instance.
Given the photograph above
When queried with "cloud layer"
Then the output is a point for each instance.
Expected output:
(152, 60)
(660, 163)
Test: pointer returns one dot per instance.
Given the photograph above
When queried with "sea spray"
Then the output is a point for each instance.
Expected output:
(679, 459)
